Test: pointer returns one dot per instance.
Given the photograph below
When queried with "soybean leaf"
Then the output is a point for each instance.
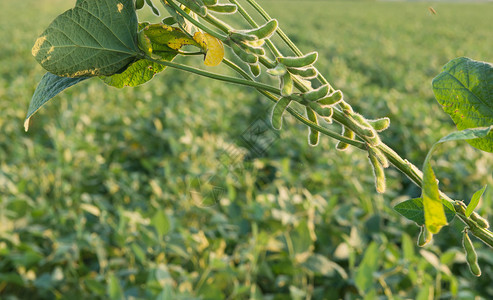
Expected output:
(320, 265)
(464, 90)
(136, 74)
(474, 201)
(114, 289)
(369, 265)
(433, 208)
(94, 38)
(214, 49)
(49, 86)
(413, 210)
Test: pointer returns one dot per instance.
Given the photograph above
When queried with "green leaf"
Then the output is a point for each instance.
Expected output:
(49, 86)
(474, 201)
(114, 288)
(433, 209)
(413, 210)
(136, 74)
(92, 39)
(161, 222)
(320, 265)
(434, 213)
(369, 265)
(464, 91)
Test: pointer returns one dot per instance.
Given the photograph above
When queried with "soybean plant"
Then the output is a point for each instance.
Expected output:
(104, 39)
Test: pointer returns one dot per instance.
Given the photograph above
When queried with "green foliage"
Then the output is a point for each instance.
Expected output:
(464, 91)
(49, 86)
(80, 195)
(94, 38)
(433, 208)
(413, 209)
(474, 201)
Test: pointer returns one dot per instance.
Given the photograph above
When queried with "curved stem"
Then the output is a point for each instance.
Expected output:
(216, 76)
(297, 115)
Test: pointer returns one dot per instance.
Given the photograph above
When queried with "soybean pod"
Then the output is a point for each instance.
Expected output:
(278, 70)
(341, 146)
(471, 255)
(380, 124)
(287, 85)
(139, 4)
(307, 73)
(253, 50)
(316, 94)
(424, 236)
(197, 6)
(265, 31)
(243, 55)
(313, 134)
(378, 172)
(482, 222)
(299, 61)
(255, 69)
(153, 8)
(223, 8)
(331, 99)
(278, 111)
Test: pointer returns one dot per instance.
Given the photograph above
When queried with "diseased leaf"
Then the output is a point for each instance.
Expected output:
(474, 201)
(214, 49)
(434, 213)
(49, 86)
(412, 209)
(136, 74)
(464, 89)
(92, 39)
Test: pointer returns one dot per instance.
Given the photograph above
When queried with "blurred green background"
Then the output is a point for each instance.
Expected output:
(179, 190)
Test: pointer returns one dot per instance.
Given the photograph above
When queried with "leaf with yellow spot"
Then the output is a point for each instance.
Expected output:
(214, 49)
(94, 38)
(163, 35)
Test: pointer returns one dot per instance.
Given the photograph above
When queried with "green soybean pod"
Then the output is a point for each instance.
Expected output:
(278, 111)
(332, 99)
(307, 72)
(255, 69)
(197, 6)
(243, 55)
(471, 255)
(313, 134)
(223, 8)
(253, 50)
(241, 37)
(139, 4)
(341, 146)
(380, 156)
(378, 172)
(316, 94)
(380, 124)
(482, 222)
(299, 61)
(424, 236)
(209, 2)
(168, 21)
(325, 112)
(278, 70)
(153, 8)
(265, 31)
(346, 108)
(287, 85)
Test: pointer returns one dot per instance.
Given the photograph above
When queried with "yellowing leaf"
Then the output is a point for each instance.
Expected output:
(164, 35)
(214, 49)
(434, 213)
